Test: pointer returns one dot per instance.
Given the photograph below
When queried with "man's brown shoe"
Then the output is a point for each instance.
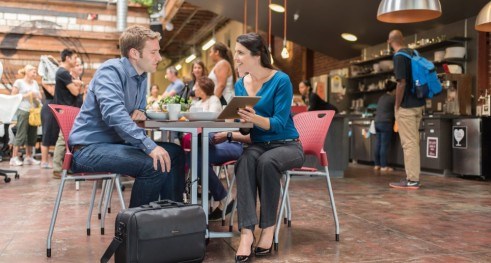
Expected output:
(56, 175)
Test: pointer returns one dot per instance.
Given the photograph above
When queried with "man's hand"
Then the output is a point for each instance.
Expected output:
(138, 115)
(160, 155)
(219, 137)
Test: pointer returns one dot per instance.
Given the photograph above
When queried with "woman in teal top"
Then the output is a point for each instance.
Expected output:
(274, 144)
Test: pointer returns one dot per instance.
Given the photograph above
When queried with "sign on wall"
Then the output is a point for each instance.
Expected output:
(459, 137)
(432, 147)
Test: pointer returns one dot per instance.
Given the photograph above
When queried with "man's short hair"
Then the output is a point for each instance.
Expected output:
(173, 70)
(67, 52)
(135, 37)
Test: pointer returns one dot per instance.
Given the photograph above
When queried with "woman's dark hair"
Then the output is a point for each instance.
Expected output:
(307, 84)
(225, 53)
(255, 43)
(202, 65)
(390, 85)
(207, 85)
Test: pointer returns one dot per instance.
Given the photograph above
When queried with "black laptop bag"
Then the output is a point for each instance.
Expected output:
(163, 231)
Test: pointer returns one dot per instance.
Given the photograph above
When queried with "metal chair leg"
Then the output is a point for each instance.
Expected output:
(103, 191)
(333, 204)
(55, 214)
(106, 202)
(288, 210)
(232, 214)
(91, 207)
(228, 197)
(282, 209)
(110, 189)
(117, 183)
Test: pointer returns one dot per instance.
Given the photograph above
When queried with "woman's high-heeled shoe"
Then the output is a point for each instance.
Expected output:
(259, 251)
(242, 258)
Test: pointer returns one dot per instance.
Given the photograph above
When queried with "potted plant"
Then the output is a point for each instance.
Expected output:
(176, 99)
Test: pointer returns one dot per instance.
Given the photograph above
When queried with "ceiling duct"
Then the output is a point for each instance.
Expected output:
(122, 15)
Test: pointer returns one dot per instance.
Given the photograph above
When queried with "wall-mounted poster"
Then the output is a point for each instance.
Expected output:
(432, 147)
(319, 84)
(337, 85)
(459, 134)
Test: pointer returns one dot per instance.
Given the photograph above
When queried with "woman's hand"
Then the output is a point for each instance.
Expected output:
(248, 114)
(219, 137)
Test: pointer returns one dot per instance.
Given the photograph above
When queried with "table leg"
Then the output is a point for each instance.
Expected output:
(194, 167)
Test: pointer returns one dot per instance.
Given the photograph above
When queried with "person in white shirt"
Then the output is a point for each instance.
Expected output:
(26, 134)
(222, 74)
(204, 90)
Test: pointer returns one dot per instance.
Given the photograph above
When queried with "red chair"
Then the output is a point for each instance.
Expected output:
(312, 127)
(298, 109)
(65, 116)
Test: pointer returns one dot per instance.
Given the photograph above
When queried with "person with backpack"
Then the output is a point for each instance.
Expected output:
(408, 111)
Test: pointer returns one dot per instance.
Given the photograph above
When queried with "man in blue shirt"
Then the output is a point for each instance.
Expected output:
(176, 86)
(105, 136)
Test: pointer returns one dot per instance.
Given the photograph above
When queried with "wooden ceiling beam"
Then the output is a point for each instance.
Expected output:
(171, 8)
(205, 30)
(183, 25)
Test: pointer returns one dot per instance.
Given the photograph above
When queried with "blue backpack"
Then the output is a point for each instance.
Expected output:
(425, 80)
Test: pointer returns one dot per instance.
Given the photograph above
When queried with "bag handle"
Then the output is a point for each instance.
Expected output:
(164, 203)
(117, 241)
(31, 100)
(111, 249)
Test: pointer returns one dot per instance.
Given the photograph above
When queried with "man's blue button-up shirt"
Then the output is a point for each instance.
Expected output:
(105, 117)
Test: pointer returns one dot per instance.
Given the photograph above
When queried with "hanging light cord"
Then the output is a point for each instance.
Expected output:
(257, 14)
(245, 16)
(269, 26)
(284, 29)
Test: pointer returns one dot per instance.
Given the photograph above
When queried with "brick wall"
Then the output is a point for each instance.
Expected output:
(31, 28)
(322, 64)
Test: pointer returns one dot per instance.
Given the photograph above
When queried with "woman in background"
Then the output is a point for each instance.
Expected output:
(199, 70)
(312, 100)
(26, 134)
(154, 97)
(274, 145)
(50, 126)
(205, 92)
(222, 73)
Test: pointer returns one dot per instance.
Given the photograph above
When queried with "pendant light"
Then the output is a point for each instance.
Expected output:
(483, 20)
(284, 51)
(408, 11)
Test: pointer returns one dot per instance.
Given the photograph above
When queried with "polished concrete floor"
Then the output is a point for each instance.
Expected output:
(447, 220)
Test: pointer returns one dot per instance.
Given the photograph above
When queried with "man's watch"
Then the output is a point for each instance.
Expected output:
(229, 136)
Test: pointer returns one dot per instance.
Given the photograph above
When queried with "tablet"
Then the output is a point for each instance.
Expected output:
(230, 111)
